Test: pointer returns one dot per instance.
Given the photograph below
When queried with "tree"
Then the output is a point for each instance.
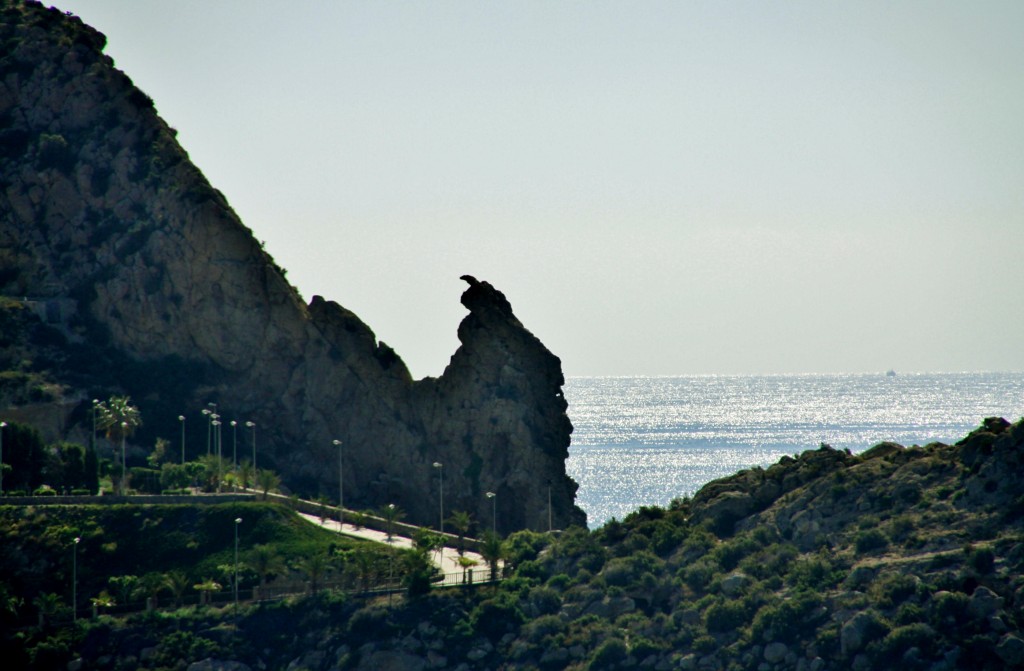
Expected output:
(315, 566)
(25, 453)
(118, 418)
(493, 551)
(266, 562)
(48, 606)
(70, 460)
(245, 473)
(267, 481)
(92, 471)
(176, 583)
(366, 564)
(419, 571)
(206, 588)
(159, 454)
(466, 563)
(124, 586)
(151, 584)
(461, 521)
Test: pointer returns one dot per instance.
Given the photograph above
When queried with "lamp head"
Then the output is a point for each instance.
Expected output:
(250, 424)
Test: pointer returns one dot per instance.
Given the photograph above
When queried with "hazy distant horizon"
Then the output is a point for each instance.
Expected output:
(662, 188)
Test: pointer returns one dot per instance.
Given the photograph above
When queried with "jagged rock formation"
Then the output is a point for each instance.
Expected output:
(133, 255)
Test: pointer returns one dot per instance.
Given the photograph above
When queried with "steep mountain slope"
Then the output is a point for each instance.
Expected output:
(117, 242)
(907, 558)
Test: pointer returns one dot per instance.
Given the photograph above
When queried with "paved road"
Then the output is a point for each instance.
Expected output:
(447, 561)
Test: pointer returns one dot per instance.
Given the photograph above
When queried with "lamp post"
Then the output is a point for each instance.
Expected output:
(238, 520)
(341, 487)
(234, 445)
(216, 439)
(252, 425)
(74, 579)
(181, 418)
(209, 428)
(124, 462)
(440, 492)
(494, 512)
(2, 425)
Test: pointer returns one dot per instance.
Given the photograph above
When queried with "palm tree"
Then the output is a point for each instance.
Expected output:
(266, 562)
(461, 521)
(151, 585)
(492, 550)
(366, 563)
(206, 588)
(466, 563)
(125, 586)
(49, 605)
(118, 417)
(314, 566)
(101, 601)
(245, 473)
(266, 481)
(176, 583)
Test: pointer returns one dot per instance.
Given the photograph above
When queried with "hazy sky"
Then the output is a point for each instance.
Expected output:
(657, 187)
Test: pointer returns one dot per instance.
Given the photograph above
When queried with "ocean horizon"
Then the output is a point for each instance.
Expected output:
(646, 440)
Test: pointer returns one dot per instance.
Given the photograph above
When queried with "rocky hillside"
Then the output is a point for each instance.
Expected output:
(908, 558)
(144, 281)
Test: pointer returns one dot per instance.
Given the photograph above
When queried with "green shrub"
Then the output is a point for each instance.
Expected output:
(608, 654)
(789, 620)
(545, 600)
(892, 588)
(982, 560)
(543, 627)
(726, 616)
(897, 642)
(870, 541)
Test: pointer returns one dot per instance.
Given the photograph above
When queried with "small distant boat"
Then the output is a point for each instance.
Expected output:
(890, 373)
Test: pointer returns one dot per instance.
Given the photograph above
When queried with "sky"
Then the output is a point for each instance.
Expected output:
(659, 188)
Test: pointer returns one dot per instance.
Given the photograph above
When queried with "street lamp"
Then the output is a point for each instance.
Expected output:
(74, 580)
(234, 445)
(440, 492)
(216, 439)
(238, 520)
(494, 511)
(341, 487)
(2, 425)
(181, 418)
(124, 469)
(209, 428)
(252, 425)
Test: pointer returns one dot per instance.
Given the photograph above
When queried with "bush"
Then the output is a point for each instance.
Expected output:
(608, 654)
(726, 616)
(44, 490)
(788, 620)
(982, 560)
(870, 540)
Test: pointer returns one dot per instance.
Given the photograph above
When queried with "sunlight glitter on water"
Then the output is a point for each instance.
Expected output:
(645, 441)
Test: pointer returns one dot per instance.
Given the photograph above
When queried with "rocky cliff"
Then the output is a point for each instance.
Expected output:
(156, 288)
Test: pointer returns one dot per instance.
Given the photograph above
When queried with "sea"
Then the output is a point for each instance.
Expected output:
(642, 441)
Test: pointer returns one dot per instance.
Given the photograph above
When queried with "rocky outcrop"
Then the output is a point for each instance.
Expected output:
(101, 210)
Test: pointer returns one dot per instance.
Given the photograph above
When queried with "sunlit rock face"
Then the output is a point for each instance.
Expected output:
(102, 213)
